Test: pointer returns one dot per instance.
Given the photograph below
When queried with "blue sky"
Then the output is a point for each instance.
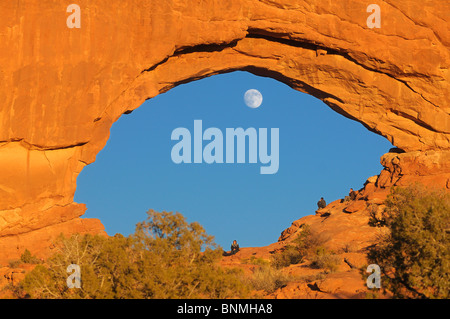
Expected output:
(321, 153)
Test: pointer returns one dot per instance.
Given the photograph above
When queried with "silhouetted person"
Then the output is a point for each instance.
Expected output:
(321, 203)
(234, 247)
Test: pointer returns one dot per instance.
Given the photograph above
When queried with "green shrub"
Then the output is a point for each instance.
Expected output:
(288, 256)
(371, 295)
(414, 256)
(28, 258)
(165, 258)
(14, 263)
(324, 259)
(306, 244)
(309, 241)
(255, 261)
(268, 279)
(327, 261)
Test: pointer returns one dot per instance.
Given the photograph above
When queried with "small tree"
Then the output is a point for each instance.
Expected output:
(165, 258)
(304, 245)
(28, 258)
(415, 254)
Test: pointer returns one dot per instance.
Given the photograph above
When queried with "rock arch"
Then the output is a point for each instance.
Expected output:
(63, 88)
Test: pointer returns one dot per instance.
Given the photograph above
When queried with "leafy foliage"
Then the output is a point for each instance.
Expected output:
(326, 260)
(166, 257)
(415, 255)
(268, 278)
(306, 244)
(28, 258)
(288, 256)
(252, 260)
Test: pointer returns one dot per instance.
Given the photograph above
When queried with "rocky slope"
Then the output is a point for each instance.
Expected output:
(343, 227)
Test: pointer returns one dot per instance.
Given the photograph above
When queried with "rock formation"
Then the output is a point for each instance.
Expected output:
(347, 235)
(63, 88)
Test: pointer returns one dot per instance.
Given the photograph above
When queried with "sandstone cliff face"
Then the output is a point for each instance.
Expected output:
(63, 88)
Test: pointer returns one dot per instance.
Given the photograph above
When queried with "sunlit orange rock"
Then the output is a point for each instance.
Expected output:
(62, 88)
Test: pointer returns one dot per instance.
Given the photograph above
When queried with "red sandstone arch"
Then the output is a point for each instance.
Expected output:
(63, 88)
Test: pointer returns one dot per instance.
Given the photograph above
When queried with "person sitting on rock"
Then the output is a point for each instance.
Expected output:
(234, 247)
(321, 203)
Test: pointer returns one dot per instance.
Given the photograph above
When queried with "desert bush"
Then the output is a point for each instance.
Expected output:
(304, 245)
(308, 241)
(28, 258)
(327, 261)
(288, 256)
(267, 278)
(371, 295)
(349, 248)
(312, 278)
(14, 263)
(414, 256)
(166, 257)
(255, 261)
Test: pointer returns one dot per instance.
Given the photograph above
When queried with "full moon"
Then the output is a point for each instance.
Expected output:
(253, 98)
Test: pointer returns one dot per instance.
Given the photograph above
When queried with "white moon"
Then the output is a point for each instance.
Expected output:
(253, 98)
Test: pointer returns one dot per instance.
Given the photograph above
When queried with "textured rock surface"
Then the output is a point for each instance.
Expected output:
(63, 88)
(346, 234)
